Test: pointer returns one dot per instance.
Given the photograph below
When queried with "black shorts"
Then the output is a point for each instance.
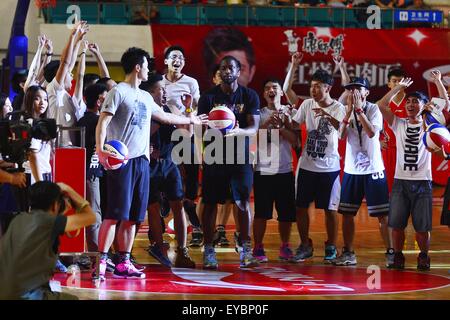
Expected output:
(219, 178)
(275, 188)
(127, 191)
(165, 177)
(445, 217)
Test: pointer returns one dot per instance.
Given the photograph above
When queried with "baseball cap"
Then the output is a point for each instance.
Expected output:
(358, 81)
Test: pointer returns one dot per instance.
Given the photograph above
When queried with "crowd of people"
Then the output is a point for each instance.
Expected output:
(148, 109)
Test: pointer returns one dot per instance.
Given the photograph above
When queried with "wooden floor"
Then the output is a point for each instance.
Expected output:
(368, 247)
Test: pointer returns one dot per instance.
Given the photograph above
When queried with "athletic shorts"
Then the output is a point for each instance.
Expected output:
(217, 179)
(445, 217)
(324, 188)
(371, 186)
(128, 191)
(411, 197)
(278, 189)
(165, 177)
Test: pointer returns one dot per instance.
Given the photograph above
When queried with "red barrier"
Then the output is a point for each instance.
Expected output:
(70, 168)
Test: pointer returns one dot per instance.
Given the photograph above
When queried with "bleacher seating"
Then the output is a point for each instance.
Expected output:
(243, 15)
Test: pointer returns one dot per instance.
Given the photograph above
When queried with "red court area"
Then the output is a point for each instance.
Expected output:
(271, 280)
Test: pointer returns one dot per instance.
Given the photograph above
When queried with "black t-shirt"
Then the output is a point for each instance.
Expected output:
(89, 121)
(243, 102)
(161, 140)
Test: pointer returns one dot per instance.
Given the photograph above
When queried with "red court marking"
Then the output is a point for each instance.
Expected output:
(270, 280)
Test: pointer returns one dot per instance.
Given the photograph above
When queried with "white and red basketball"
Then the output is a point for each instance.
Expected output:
(118, 154)
(221, 118)
(442, 118)
(436, 136)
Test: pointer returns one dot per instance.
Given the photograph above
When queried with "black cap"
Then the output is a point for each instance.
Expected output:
(419, 95)
(358, 81)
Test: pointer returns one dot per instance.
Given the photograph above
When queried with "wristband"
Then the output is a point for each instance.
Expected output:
(359, 111)
(49, 54)
(346, 122)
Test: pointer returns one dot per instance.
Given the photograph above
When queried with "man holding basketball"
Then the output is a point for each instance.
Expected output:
(125, 116)
(221, 174)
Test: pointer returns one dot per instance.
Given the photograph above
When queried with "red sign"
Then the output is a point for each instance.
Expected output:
(367, 52)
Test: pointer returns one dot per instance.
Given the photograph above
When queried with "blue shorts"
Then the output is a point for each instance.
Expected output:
(278, 189)
(218, 179)
(411, 197)
(165, 177)
(128, 191)
(322, 187)
(373, 186)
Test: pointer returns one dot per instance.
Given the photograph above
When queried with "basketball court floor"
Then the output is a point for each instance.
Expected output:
(286, 281)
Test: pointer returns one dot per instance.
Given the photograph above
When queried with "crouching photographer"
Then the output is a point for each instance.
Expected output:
(29, 247)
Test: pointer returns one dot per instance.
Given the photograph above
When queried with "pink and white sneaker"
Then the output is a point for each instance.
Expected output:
(127, 270)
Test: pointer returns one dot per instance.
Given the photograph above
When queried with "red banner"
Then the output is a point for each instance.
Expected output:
(369, 52)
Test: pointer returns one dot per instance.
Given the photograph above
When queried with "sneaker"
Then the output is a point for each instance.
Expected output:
(102, 268)
(209, 258)
(286, 253)
(110, 266)
(347, 258)
(183, 260)
(303, 252)
(330, 253)
(423, 262)
(138, 266)
(399, 261)
(237, 243)
(126, 269)
(246, 256)
(155, 251)
(389, 257)
(259, 254)
(60, 267)
(164, 207)
(220, 238)
(197, 238)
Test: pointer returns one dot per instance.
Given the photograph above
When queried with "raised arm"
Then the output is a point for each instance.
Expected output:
(339, 61)
(77, 33)
(46, 60)
(93, 47)
(436, 77)
(383, 103)
(35, 65)
(78, 93)
(368, 128)
(290, 78)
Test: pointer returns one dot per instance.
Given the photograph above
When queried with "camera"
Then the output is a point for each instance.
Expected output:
(16, 133)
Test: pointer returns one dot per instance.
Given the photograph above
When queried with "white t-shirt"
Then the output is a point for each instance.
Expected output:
(175, 90)
(273, 158)
(43, 150)
(364, 156)
(132, 109)
(64, 108)
(320, 154)
(413, 159)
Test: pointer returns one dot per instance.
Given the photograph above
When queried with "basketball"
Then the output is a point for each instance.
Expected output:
(221, 118)
(442, 118)
(436, 136)
(118, 154)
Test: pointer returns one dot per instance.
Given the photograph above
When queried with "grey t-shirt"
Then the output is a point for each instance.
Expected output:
(132, 109)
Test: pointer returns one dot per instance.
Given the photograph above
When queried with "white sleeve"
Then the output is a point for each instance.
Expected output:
(376, 118)
(340, 113)
(36, 144)
(300, 115)
(55, 98)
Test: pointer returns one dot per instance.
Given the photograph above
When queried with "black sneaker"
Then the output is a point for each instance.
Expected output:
(399, 261)
(197, 238)
(220, 238)
(423, 262)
